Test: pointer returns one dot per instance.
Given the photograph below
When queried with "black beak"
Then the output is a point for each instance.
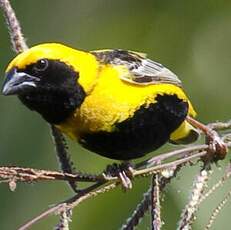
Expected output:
(18, 82)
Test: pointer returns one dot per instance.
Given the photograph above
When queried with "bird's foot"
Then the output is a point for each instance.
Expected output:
(123, 171)
(217, 147)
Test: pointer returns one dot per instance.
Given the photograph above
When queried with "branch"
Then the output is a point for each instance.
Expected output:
(219, 184)
(16, 36)
(139, 212)
(8, 174)
(90, 192)
(143, 206)
(17, 174)
(65, 218)
(107, 182)
(29, 175)
(188, 213)
(19, 45)
(62, 154)
(217, 210)
(155, 201)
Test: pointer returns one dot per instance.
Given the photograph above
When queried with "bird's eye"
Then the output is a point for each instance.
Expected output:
(41, 65)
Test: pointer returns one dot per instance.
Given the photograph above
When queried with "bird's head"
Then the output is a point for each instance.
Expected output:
(51, 79)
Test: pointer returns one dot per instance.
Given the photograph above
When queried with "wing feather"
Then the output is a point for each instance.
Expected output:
(141, 70)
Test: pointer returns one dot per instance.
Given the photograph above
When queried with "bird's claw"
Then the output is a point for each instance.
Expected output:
(124, 172)
(217, 147)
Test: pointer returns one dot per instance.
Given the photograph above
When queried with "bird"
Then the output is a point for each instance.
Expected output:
(114, 102)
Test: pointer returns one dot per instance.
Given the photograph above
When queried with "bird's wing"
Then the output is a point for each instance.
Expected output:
(142, 70)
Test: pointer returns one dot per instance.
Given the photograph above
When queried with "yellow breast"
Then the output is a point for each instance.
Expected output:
(112, 100)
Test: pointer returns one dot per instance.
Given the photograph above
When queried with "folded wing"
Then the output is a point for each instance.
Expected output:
(142, 70)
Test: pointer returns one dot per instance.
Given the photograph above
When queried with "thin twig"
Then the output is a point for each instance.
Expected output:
(155, 201)
(113, 181)
(19, 45)
(179, 152)
(29, 175)
(88, 193)
(62, 154)
(16, 36)
(145, 203)
(39, 217)
(65, 218)
(157, 168)
(219, 184)
(188, 213)
(217, 210)
(139, 212)
(219, 125)
(71, 203)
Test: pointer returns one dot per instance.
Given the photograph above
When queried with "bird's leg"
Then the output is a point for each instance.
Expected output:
(123, 171)
(217, 147)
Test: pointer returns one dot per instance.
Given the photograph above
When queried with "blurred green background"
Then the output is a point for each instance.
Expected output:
(192, 38)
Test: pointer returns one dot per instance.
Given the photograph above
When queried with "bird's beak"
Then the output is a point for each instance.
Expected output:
(18, 82)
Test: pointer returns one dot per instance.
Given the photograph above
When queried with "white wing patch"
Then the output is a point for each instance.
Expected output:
(150, 72)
